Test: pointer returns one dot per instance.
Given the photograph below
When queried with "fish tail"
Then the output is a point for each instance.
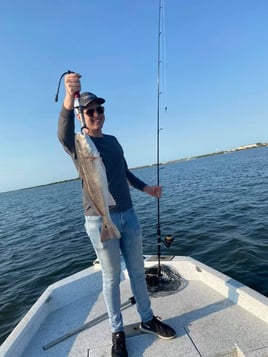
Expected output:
(109, 231)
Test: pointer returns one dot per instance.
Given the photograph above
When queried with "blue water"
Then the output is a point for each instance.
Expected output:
(216, 208)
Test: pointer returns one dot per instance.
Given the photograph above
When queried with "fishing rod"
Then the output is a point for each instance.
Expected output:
(158, 139)
(168, 239)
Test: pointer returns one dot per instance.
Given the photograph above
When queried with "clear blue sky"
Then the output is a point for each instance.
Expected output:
(216, 78)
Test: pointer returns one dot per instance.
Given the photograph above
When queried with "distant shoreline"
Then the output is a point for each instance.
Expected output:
(240, 148)
(244, 147)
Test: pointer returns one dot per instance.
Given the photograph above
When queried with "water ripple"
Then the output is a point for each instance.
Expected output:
(215, 207)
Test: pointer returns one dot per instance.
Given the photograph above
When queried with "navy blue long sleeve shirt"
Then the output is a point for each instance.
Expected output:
(118, 175)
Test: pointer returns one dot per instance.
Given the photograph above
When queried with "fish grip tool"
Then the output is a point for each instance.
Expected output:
(58, 89)
(79, 110)
(77, 105)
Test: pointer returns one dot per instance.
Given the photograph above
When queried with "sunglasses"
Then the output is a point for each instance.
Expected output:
(98, 110)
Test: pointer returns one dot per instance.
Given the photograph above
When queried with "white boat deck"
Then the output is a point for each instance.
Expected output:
(213, 315)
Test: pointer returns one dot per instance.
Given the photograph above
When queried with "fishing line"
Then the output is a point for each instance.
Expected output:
(164, 58)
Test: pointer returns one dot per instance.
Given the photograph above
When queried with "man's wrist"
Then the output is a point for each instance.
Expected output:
(68, 102)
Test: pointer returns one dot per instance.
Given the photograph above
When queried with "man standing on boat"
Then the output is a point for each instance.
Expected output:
(123, 215)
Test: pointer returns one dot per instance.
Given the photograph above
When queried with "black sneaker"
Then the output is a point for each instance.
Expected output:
(158, 328)
(119, 348)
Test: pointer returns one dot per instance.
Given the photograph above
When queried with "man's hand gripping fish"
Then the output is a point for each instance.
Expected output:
(93, 173)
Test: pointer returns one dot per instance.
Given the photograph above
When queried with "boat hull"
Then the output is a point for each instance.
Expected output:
(212, 314)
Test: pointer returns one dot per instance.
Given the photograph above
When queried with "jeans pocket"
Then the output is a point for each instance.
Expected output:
(93, 228)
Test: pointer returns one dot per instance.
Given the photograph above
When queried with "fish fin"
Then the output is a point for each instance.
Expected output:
(109, 231)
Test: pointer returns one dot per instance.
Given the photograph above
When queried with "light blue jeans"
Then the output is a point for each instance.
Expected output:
(108, 253)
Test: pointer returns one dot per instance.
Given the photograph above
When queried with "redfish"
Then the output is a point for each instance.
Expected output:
(92, 171)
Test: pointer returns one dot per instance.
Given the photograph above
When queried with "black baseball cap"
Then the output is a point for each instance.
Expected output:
(87, 98)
